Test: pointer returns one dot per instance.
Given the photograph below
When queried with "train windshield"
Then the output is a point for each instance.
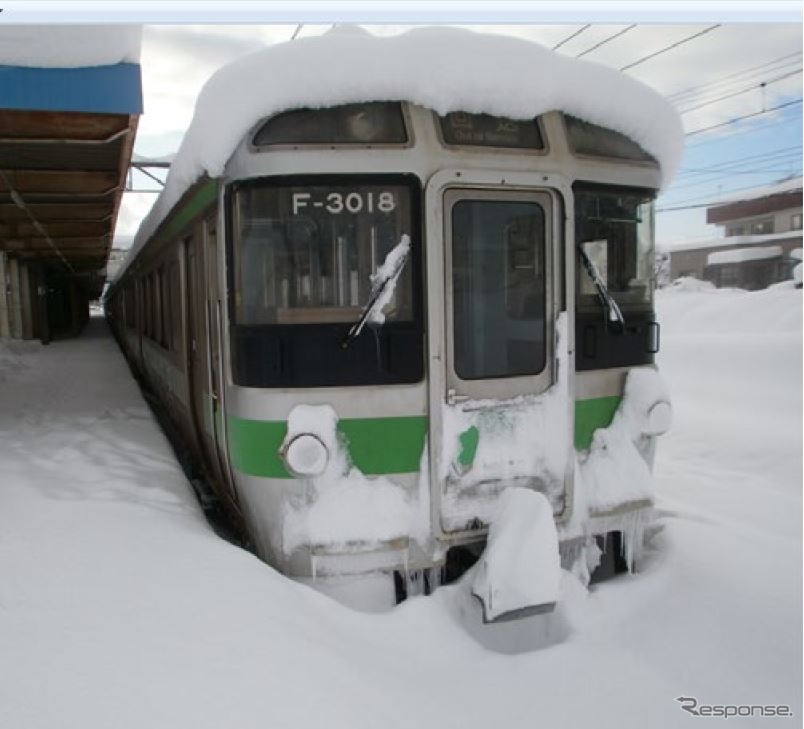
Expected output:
(615, 231)
(306, 254)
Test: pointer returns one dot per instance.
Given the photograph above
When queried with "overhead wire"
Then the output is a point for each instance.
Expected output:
(762, 85)
(720, 166)
(742, 132)
(787, 162)
(705, 197)
(571, 36)
(787, 170)
(741, 118)
(671, 46)
(737, 76)
(607, 40)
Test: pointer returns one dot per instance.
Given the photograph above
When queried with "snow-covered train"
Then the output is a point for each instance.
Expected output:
(391, 280)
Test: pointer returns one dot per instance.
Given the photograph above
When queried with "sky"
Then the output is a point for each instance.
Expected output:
(728, 70)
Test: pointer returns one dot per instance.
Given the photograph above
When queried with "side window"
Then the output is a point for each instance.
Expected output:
(614, 228)
(164, 301)
(175, 306)
(156, 332)
(149, 307)
(762, 227)
(130, 306)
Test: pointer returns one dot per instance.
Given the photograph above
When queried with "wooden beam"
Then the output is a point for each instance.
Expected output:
(63, 229)
(59, 124)
(57, 211)
(60, 181)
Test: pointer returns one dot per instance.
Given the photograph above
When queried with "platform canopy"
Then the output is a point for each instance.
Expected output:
(66, 139)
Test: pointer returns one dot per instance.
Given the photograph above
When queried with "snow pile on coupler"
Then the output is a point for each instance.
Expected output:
(519, 572)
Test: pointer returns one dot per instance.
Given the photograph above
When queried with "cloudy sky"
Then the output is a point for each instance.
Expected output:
(714, 73)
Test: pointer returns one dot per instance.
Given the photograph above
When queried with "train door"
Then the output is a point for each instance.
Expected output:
(215, 371)
(498, 403)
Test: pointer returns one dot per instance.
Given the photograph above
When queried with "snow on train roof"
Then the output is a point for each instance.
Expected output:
(444, 69)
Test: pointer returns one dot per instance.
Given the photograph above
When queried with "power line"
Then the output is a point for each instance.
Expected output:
(671, 46)
(741, 91)
(745, 116)
(775, 155)
(741, 133)
(789, 169)
(732, 84)
(571, 36)
(677, 205)
(790, 160)
(763, 155)
(734, 77)
(610, 38)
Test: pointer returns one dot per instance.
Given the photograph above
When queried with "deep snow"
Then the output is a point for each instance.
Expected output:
(120, 608)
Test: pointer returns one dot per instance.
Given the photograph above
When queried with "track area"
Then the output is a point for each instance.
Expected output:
(119, 606)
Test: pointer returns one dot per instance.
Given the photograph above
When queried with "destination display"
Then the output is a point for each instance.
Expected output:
(483, 130)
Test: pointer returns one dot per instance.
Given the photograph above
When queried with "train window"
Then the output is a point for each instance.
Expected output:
(590, 139)
(498, 288)
(148, 307)
(156, 293)
(175, 305)
(379, 122)
(164, 305)
(483, 130)
(615, 230)
(130, 304)
(305, 254)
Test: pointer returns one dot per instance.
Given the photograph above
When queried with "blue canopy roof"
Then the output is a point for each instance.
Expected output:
(115, 89)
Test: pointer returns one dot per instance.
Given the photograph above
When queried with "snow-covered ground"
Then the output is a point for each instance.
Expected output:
(119, 607)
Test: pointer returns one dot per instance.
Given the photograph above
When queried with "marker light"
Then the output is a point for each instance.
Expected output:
(305, 455)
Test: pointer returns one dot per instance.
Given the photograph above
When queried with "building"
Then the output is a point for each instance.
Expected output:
(761, 231)
(70, 99)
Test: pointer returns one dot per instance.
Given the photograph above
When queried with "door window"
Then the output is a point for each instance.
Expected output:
(498, 288)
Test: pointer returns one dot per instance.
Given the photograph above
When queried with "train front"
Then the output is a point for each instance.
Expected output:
(408, 295)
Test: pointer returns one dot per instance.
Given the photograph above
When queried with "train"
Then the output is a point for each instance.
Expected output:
(388, 303)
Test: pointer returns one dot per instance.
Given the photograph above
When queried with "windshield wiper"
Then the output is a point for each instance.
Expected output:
(383, 283)
(614, 317)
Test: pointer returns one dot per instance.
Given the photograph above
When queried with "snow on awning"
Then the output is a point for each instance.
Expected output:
(742, 255)
(444, 69)
(69, 46)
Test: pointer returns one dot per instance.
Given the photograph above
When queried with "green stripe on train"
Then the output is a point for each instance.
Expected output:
(376, 445)
(194, 206)
(379, 445)
(591, 415)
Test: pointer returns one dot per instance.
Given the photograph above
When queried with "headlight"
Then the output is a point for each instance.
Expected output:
(659, 418)
(305, 455)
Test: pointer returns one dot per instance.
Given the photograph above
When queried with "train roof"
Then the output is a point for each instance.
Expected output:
(444, 69)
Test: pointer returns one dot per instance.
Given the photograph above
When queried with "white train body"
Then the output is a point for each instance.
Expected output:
(495, 362)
